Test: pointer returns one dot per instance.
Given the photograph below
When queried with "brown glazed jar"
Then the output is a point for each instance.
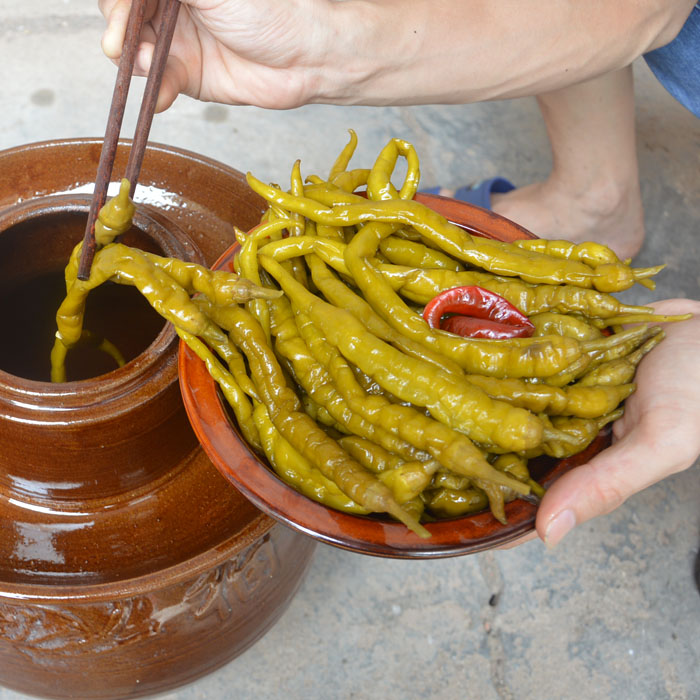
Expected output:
(128, 564)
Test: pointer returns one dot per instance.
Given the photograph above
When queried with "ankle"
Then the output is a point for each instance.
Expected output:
(603, 198)
(606, 213)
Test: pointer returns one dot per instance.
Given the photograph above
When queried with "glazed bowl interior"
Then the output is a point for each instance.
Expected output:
(376, 535)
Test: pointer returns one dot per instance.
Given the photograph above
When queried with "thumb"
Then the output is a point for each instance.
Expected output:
(599, 486)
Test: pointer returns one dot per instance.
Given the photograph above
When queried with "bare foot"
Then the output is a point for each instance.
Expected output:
(606, 215)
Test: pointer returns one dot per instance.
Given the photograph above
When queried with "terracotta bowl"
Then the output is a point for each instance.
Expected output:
(128, 564)
(379, 536)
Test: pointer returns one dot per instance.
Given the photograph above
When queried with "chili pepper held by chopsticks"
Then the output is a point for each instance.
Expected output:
(478, 313)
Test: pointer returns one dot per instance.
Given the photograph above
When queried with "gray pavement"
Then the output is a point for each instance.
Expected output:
(613, 611)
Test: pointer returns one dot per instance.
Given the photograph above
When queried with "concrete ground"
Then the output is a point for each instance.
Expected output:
(613, 611)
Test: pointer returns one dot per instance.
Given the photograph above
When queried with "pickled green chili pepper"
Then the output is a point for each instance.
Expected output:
(227, 350)
(450, 503)
(350, 180)
(294, 469)
(370, 455)
(581, 430)
(534, 299)
(565, 324)
(235, 396)
(452, 449)
(516, 466)
(620, 370)
(612, 275)
(127, 266)
(422, 285)
(379, 185)
(341, 163)
(406, 233)
(625, 319)
(405, 479)
(302, 432)
(517, 357)
(513, 357)
(449, 492)
(408, 480)
(573, 400)
(571, 373)
(343, 297)
(319, 413)
(299, 226)
(597, 351)
(159, 282)
(248, 264)
(297, 246)
(222, 287)
(589, 252)
(451, 400)
(297, 188)
(494, 256)
(114, 218)
(417, 255)
(444, 478)
(619, 344)
(313, 378)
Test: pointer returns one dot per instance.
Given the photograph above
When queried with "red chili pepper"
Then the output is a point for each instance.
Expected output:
(471, 327)
(480, 314)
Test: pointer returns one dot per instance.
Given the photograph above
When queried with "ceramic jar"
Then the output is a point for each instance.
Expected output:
(128, 564)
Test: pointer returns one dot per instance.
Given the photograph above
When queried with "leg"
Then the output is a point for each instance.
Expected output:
(593, 191)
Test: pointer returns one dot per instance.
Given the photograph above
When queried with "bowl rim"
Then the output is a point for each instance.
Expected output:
(371, 535)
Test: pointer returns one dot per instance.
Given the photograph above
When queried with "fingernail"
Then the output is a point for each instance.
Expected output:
(558, 526)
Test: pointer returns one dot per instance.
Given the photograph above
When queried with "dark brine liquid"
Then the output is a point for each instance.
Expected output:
(116, 312)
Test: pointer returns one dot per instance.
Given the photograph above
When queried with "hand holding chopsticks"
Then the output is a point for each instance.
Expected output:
(116, 115)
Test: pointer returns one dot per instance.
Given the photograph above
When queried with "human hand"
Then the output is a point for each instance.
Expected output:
(265, 53)
(284, 53)
(657, 436)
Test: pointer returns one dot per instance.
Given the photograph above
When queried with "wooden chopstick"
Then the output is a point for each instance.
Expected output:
(116, 115)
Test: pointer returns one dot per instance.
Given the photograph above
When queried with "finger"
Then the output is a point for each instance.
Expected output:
(113, 37)
(144, 54)
(596, 488)
(144, 58)
(174, 82)
(117, 14)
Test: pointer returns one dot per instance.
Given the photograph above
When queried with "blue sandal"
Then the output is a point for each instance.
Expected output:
(480, 192)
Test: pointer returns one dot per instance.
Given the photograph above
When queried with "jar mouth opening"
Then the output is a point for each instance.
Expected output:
(36, 239)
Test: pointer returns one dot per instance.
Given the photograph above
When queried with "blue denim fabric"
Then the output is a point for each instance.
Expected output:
(677, 65)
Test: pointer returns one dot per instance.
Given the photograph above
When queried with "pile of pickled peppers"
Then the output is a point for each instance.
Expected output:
(382, 359)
